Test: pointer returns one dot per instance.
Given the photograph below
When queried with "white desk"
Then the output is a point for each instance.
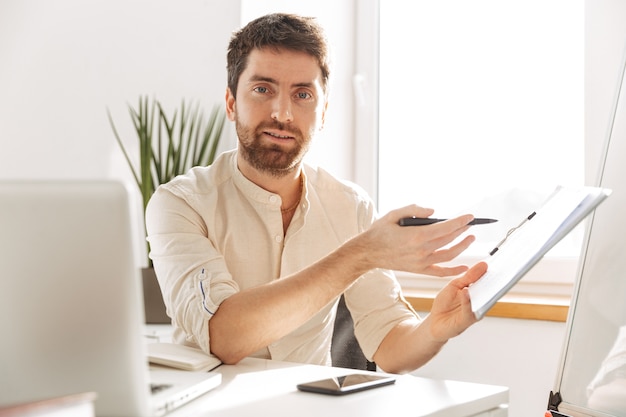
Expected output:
(257, 387)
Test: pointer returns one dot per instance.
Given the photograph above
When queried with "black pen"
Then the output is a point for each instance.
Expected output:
(421, 221)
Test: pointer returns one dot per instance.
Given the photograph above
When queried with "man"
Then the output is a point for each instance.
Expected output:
(253, 252)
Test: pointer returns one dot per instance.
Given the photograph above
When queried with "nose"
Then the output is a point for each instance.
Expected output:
(282, 109)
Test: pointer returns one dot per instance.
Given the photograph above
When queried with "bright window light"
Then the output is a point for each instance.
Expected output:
(481, 109)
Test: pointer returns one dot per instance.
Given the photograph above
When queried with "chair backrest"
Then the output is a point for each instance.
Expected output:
(345, 350)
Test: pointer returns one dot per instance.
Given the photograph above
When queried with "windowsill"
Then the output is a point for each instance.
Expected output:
(529, 307)
(530, 299)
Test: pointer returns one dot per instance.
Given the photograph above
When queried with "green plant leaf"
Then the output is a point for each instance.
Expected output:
(169, 146)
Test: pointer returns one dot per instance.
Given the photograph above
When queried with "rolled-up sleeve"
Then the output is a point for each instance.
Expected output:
(192, 273)
(377, 306)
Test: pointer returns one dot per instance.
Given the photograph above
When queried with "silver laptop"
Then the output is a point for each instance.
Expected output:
(71, 314)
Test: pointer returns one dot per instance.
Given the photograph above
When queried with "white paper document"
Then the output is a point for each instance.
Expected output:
(526, 244)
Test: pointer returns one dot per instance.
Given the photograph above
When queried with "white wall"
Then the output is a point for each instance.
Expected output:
(65, 61)
(520, 354)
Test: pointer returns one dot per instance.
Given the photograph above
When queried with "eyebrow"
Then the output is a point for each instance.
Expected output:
(257, 78)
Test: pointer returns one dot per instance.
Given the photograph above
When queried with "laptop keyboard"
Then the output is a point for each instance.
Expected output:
(155, 388)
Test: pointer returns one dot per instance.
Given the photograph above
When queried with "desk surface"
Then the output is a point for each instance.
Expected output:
(258, 387)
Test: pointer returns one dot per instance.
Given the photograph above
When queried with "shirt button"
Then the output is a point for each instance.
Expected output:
(273, 199)
(278, 238)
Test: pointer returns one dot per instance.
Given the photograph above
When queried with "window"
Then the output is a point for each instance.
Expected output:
(481, 110)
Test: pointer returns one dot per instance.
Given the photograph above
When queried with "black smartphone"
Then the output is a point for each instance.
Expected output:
(346, 384)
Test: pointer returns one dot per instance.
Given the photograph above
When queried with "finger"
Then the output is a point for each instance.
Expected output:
(455, 225)
(466, 306)
(445, 271)
(436, 242)
(432, 261)
(448, 254)
(459, 221)
(440, 234)
(471, 276)
(412, 210)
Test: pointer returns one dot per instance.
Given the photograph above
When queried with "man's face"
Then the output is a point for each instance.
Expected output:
(280, 104)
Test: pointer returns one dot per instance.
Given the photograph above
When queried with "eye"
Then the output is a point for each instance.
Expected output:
(261, 90)
(303, 95)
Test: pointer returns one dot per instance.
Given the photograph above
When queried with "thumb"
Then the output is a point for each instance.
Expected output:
(471, 276)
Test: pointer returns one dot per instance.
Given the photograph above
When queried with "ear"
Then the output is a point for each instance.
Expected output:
(230, 105)
(324, 114)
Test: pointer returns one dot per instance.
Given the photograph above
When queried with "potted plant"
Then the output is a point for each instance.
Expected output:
(168, 146)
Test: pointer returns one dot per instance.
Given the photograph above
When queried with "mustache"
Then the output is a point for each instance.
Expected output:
(279, 126)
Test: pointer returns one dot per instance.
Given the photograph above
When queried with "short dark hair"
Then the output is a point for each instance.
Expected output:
(277, 31)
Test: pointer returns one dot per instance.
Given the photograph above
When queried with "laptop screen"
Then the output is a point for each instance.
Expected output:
(71, 313)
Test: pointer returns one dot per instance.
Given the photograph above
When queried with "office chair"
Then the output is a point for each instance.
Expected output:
(345, 350)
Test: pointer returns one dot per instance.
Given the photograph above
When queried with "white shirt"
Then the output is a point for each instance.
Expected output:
(212, 232)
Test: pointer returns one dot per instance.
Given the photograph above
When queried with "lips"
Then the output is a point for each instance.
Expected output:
(279, 131)
(278, 135)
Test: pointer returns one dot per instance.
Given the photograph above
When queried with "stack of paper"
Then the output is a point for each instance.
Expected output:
(181, 357)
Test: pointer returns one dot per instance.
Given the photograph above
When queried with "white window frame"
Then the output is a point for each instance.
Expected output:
(550, 278)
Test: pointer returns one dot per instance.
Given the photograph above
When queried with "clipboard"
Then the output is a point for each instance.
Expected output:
(525, 244)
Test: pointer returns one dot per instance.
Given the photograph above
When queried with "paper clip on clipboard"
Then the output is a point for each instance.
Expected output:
(510, 232)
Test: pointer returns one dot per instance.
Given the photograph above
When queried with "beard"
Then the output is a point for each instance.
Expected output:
(271, 159)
